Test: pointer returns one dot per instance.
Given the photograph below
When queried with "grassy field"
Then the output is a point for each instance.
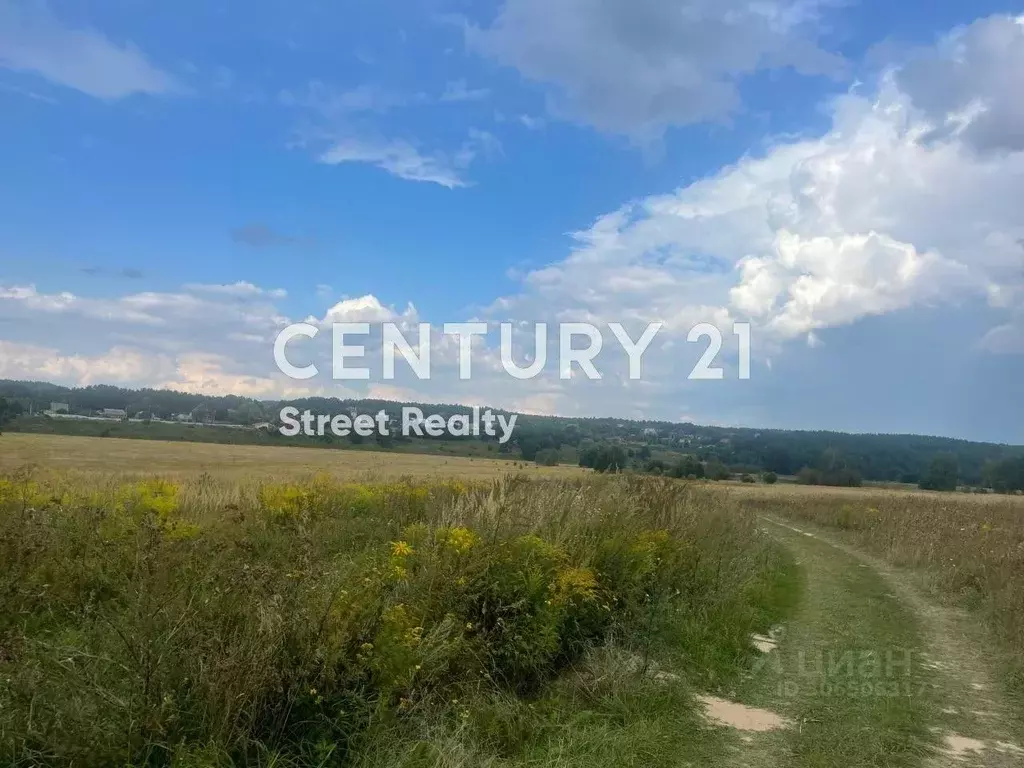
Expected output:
(170, 604)
(404, 623)
(182, 460)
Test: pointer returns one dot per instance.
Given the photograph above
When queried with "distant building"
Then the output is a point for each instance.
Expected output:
(264, 426)
(114, 413)
(60, 408)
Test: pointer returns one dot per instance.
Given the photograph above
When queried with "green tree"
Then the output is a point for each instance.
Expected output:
(809, 476)
(716, 470)
(688, 466)
(9, 410)
(547, 457)
(943, 473)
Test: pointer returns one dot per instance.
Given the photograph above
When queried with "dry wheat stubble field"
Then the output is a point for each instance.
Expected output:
(237, 462)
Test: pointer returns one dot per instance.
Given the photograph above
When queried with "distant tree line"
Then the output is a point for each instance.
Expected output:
(606, 444)
(832, 468)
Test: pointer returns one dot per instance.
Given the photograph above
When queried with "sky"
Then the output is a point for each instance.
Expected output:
(180, 181)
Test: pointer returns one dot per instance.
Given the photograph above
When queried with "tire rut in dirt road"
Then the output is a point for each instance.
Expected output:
(973, 723)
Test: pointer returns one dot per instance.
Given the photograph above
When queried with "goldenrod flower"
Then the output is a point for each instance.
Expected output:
(401, 549)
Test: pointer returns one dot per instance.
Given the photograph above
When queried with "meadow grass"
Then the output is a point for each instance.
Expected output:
(213, 621)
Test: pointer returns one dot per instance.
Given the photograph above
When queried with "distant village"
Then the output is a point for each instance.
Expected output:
(200, 415)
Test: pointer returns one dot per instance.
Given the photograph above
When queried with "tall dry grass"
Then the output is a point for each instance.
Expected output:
(319, 623)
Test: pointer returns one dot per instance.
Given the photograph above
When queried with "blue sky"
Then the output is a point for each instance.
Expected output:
(180, 180)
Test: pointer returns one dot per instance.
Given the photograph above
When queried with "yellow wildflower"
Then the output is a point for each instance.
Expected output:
(401, 549)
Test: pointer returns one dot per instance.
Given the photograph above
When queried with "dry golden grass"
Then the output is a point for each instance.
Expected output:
(237, 462)
(790, 492)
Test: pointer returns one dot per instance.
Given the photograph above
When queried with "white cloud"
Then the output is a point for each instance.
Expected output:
(198, 372)
(119, 365)
(131, 309)
(397, 157)
(970, 84)
(876, 216)
(168, 320)
(240, 289)
(638, 66)
(367, 309)
(33, 40)
(211, 374)
(402, 159)
(822, 282)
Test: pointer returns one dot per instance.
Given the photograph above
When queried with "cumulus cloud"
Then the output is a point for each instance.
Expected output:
(33, 40)
(878, 215)
(638, 67)
(970, 84)
(821, 282)
(118, 365)
(367, 309)
(211, 374)
(194, 340)
(190, 340)
(201, 373)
